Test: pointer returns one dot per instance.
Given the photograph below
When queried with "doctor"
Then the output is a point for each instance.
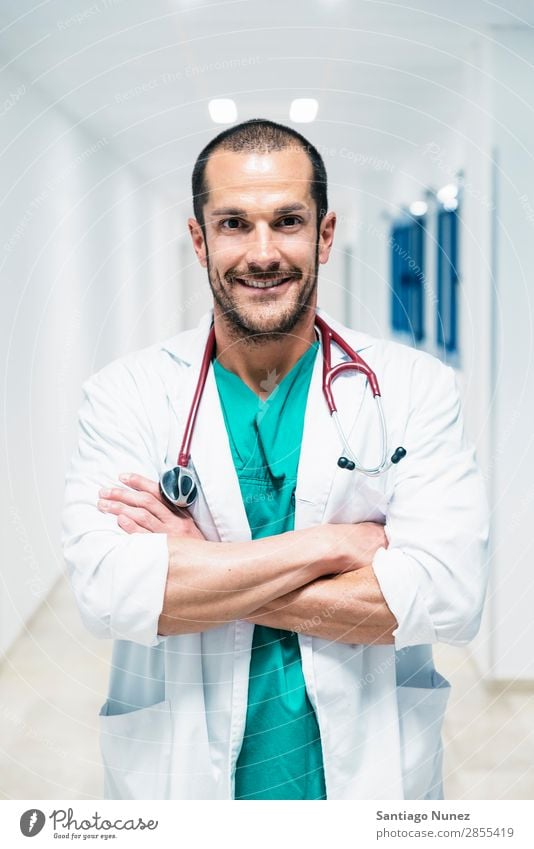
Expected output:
(274, 640)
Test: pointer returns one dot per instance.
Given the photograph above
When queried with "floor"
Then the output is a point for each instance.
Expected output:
(53, 682)
(488, 733)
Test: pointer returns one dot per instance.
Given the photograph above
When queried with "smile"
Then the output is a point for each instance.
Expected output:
(263, 284)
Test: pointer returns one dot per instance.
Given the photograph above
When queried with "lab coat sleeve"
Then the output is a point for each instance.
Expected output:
(433, 575)
(118, 578)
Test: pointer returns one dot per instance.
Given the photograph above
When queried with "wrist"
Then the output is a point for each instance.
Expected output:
(340, 555)
(327, 551)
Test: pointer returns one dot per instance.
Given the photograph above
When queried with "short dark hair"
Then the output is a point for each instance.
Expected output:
(263, 136)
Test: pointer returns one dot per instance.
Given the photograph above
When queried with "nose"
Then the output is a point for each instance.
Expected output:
(262, 250)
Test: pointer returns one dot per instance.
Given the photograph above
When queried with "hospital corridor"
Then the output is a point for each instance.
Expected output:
(423, 114)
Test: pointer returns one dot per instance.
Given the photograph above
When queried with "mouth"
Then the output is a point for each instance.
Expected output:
(272, 283)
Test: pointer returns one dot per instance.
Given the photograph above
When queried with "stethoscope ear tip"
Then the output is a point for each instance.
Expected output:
(396, 457)
(398, 454)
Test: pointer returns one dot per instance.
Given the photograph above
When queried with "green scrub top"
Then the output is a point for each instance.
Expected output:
(281, 756)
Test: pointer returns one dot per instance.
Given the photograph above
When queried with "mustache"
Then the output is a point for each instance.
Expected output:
(263, 276)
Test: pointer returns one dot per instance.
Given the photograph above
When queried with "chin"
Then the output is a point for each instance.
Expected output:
(268, 323)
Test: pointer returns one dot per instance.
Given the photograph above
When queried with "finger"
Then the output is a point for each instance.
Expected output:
(130, 526)
(139, 499)
(139, 515)
(141, 483)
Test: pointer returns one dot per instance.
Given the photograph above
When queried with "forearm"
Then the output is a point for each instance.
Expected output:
(346, 608)
(209, 583)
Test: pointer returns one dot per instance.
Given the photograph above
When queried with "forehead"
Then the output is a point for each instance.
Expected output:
(258, 177)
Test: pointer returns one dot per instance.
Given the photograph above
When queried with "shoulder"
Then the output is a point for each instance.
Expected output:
(412, 381)
(147, 370)
(394, 362)
(134, 391)
(409, 365)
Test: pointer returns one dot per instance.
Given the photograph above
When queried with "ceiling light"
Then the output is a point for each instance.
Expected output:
(447, 193)
(222, 110)
(303, 110)
(418, 208)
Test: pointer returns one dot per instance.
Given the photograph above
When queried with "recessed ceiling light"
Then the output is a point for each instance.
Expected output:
(418, 208)
(222, 110)
(447, 193)
(303, 110)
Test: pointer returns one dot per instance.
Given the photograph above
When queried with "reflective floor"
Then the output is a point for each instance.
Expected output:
(488, 733)
(53, 682)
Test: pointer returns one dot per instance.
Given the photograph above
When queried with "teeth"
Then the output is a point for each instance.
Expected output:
(263, 284)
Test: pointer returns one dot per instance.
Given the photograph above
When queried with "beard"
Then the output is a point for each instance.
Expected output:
(269, 319)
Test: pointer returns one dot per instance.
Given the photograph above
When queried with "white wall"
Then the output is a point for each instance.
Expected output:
(512, 406)
(88, 259)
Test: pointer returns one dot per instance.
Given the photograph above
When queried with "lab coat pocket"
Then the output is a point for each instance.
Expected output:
(421, 712)
(136, 752)
(356, 499)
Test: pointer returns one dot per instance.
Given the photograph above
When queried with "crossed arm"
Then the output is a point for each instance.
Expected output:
(318, 581)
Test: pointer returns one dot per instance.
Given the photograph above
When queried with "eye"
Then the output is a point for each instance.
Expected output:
(230, 223)
(290, 220)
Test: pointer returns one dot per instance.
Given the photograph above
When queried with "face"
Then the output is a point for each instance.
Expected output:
(261, 248)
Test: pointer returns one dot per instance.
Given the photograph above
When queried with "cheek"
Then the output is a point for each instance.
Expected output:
(301, 250)
(224, 256)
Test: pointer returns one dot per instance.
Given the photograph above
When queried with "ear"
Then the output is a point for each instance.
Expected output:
(326, 236)
(197, 237)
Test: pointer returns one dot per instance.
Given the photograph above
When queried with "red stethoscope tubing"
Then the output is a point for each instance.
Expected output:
(185, 451)
(328, 335)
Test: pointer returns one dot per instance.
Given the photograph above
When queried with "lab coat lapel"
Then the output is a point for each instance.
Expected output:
(321, 448)
(210, 449)
(317, 455)
(212, 458)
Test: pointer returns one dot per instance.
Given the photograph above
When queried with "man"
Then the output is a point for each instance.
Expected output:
(274, 640)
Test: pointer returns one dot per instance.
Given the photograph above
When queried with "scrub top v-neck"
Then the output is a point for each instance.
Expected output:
(281, 756)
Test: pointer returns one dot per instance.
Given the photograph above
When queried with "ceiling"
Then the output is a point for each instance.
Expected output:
(141, 73)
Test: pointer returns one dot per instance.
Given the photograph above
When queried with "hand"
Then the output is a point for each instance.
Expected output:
(141, 509)
(354, 546)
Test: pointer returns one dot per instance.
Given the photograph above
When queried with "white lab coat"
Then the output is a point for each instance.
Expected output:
(173, 723)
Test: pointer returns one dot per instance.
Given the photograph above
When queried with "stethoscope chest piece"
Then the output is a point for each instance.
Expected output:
(178, 486)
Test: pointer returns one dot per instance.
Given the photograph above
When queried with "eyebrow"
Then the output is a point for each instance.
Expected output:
(280, 210)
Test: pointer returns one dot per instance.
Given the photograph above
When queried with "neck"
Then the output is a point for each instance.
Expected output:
(263, 364)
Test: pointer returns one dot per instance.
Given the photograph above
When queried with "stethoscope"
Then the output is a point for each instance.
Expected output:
(179, 486)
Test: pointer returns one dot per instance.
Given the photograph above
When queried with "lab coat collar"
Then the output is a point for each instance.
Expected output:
(188, 346)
